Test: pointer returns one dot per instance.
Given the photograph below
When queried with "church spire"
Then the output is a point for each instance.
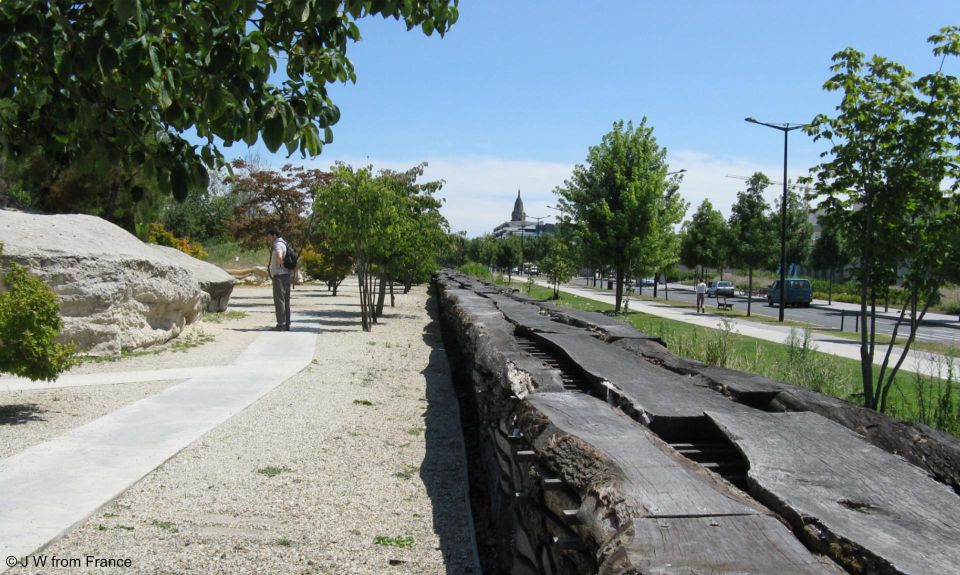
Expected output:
(518, 215)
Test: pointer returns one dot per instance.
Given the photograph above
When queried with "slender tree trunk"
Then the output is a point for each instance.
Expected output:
(407, 284)
(866, 343)
(381, 295)
(362, 280)
(750, 289)
(393, 300)
(656, 280)
(372, 289)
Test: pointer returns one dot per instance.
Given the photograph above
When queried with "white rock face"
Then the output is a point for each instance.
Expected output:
(212, 279)
(116, 293)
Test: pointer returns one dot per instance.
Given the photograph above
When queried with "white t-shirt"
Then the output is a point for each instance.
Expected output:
(701, 288)
(279, 250)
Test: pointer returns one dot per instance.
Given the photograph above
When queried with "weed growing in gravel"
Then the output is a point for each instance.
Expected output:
(124, 527)
(222, 316)
(362, 402)
(399, 541)
(191, 341)
(102, 527)
(273, 470)
(408, 471)
(415, 430)
(284, 542)
(165, 525)
(371, 343)
(109, 515)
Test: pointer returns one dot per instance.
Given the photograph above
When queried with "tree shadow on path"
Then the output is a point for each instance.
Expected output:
(20, 413)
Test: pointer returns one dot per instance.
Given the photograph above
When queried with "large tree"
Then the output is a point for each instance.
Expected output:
(705, 240)
(754, 237)
(104, 87)
(267, 198)
(619, 197)
(889, 180)
(388, 223)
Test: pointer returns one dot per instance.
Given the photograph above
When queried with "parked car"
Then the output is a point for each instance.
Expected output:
(720, 288)
(647, 282)
(797, 291)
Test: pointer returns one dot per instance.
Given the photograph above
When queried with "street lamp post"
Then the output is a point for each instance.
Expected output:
(786, 128)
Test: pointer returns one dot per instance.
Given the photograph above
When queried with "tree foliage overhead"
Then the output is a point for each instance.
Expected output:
(621, 198)
(105, 85)
(889, 180)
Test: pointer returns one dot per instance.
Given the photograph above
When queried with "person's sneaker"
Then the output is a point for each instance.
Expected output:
(279, 328)
(286, 328)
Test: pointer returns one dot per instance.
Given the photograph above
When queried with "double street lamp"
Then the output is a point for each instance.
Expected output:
(786, 128)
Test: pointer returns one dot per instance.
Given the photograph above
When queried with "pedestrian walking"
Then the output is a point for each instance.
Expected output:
(280, 276)
(701, 293)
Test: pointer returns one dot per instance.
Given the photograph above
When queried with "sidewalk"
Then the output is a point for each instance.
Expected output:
(917, 362)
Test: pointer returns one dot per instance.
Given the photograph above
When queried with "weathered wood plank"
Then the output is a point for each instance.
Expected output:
(885, 513)
(712, 545)
(652, 390)
(626, 472)
(529, 316)
(595, 447)
(610, 328)
(931, 449)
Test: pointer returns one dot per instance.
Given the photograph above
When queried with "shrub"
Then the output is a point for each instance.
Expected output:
(29, 326)
(476, 270)
(162, 237)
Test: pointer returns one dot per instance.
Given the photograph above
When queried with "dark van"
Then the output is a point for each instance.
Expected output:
(797, 292)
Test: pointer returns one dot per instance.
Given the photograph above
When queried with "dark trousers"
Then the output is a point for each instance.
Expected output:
(281, 298)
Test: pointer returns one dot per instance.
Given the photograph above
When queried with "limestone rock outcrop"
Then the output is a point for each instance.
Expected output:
(212, 279)
(116, 292)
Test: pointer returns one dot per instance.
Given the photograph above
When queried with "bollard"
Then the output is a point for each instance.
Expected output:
(856, 324)
(842, 315)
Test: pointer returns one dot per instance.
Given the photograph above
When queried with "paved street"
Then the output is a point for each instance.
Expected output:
(937, 328)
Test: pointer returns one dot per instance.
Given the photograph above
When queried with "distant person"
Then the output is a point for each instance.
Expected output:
(701, 293)
(281, 280)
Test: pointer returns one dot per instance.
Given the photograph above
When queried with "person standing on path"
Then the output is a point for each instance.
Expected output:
(701, 293)
(281, 280)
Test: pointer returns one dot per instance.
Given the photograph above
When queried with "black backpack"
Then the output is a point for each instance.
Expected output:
(290, 257)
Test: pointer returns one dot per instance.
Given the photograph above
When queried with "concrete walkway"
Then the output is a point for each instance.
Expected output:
(53, 486)
(917, 362)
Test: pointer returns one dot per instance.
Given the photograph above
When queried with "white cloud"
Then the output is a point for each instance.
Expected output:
(707, 178)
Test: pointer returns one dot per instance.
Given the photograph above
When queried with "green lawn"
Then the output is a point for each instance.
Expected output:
(230, 254)
(929, 399)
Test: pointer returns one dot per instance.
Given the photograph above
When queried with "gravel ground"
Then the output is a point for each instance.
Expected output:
(355, 465)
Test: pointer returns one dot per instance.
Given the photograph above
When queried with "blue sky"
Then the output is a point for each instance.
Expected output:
(516, 93)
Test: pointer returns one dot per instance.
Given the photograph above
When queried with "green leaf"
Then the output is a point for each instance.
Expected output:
(273, 129)
(179, 182)
(327, 135)
(301, 10)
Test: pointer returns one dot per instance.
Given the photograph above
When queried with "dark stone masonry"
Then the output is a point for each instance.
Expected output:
(594, 449)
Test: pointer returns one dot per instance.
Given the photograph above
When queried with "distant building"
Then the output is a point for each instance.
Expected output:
(519, 225)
